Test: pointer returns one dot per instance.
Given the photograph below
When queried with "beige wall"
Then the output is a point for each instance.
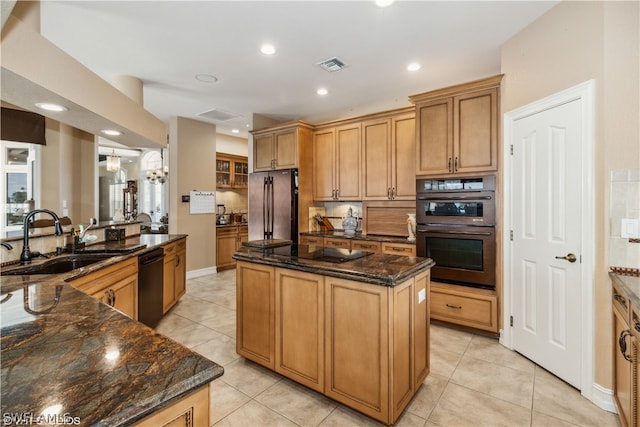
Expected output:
(572, 43)
(192, 152)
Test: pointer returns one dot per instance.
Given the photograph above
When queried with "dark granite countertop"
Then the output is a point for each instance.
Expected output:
(359, 236)
(630, 285)
(96, 363)
(377, 269)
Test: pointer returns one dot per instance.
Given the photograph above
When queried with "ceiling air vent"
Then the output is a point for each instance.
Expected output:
(332, 64)
(219, 115)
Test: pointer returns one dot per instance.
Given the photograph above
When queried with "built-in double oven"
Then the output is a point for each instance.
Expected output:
(456, 227)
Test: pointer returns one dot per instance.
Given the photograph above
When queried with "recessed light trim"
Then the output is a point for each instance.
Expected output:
(322, 91)
(206, 78)
(49, 106)
(235, 131)
(414, 66)
(111, 132)
(268, 49)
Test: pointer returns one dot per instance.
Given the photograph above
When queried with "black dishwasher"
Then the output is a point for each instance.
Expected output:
(150, 278)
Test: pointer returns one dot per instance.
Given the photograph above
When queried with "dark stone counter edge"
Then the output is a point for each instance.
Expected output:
(630, 285)
(327, 269)
(358, 236)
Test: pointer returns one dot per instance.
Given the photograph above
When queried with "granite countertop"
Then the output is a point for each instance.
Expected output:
(630, 285)
(100, 366)
(358, 235)
(377, 269)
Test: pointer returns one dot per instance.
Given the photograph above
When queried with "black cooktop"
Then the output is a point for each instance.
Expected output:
(317, 253)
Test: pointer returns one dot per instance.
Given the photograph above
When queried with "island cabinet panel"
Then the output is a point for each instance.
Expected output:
(189, 411)
(255, 313)
(174, 273)
(300, 327)
(402, 351)
(421, 331)
(357, 323)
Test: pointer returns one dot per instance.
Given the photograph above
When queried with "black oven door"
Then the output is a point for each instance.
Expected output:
(471, 208)
(463, 255)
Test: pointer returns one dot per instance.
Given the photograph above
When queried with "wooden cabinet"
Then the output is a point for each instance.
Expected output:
(390, 248)
(115, 285)
(337, 163)
(337, 242)
(231, 171)
(625, 358)
(405, 249)
(367, 246)
(280, 147)
(312, 240)
(388, 154)
(189, 411)
(458, 128)
(174, 273)
(363, 345)
(299, 320)
(461, 305)
(255, 314)
(228, 240)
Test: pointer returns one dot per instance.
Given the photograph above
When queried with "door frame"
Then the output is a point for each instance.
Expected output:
(584, 92)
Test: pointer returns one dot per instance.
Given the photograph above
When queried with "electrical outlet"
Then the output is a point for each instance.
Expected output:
(629, 228)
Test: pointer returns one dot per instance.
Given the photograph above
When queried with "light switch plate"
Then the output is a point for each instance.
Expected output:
(422, 295)
(629, 228)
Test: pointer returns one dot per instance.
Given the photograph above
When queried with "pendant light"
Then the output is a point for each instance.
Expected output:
(113, 162)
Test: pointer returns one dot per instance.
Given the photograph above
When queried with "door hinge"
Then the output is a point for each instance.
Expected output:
(511, 321)
(511, 149)
(511, 235)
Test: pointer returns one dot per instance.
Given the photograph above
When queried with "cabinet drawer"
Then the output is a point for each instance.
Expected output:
(621, 302)
(337, 243)
(224, 231)
(309, 240)
(398, 249)
(473, 310)
(107, 276)
(181, 245)
(366, 245)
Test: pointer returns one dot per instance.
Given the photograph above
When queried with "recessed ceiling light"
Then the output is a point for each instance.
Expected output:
(111, 132)
(268, 49)
(322, 91)
(414, 66)
(235, 131)
(51, 107)
(206, 78)
(384, 3)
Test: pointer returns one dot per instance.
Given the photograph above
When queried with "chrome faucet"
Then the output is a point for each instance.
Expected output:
(26, 254)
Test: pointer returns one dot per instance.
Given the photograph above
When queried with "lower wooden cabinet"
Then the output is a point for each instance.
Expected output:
(363, 345)
(405, 249)
(189, 411)
(367, 246)
(626, 340)
(115, 285)
(228, 240)
(390, 248)
(462, 305)
(174, 273)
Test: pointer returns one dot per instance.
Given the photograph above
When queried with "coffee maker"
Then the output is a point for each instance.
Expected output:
(221, 218)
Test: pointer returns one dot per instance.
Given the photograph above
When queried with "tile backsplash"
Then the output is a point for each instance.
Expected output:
(624, 204)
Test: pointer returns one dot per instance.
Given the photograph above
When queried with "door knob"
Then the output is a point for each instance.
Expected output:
(569, 257)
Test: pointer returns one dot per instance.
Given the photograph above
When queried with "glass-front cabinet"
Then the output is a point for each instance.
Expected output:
(231, 171)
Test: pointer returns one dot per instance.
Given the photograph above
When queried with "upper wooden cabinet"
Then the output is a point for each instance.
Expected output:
(280, 147)
(231, 171)
(337, 163)
(388, 157)
(457, 128)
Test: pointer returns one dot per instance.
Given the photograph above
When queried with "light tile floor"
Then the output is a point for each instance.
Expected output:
(474, 381)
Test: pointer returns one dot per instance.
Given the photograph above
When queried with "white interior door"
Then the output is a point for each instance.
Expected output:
(546, 201)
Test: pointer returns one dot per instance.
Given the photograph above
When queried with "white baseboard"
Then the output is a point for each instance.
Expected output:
(601, 397)
(201, 272)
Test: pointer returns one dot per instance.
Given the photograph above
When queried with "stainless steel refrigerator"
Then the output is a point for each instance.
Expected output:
(273, 205)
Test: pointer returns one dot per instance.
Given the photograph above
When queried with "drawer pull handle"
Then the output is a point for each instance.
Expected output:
(636, 326)
(457, 307)
(622, 341)
(622, 300)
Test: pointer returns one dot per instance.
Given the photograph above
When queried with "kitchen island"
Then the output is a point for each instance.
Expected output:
(349, 324)
(68, 358)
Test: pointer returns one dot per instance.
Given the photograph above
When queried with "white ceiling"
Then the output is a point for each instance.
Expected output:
(167, 43)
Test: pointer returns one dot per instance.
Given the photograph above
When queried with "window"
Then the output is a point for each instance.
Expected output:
(152, 197)
(17, 183)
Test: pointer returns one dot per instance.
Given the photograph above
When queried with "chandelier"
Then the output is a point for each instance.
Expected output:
(159, 175)
(113, 162)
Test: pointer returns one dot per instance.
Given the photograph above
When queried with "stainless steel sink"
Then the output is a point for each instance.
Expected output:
(58, 265)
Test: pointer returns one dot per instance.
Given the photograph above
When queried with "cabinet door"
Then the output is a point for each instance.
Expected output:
(476, 131)
(191, 410)
(404, 164)
(376, 147)
(180, 274)
(285, 149)
(263, 153)
(125, 296)
(347, 158)
(357, 340)
(168, 272)
(622, 378)
(435, 132)
(226, 245)
(243, 234)
(323, 165)
(255, 314)
(300, 327)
